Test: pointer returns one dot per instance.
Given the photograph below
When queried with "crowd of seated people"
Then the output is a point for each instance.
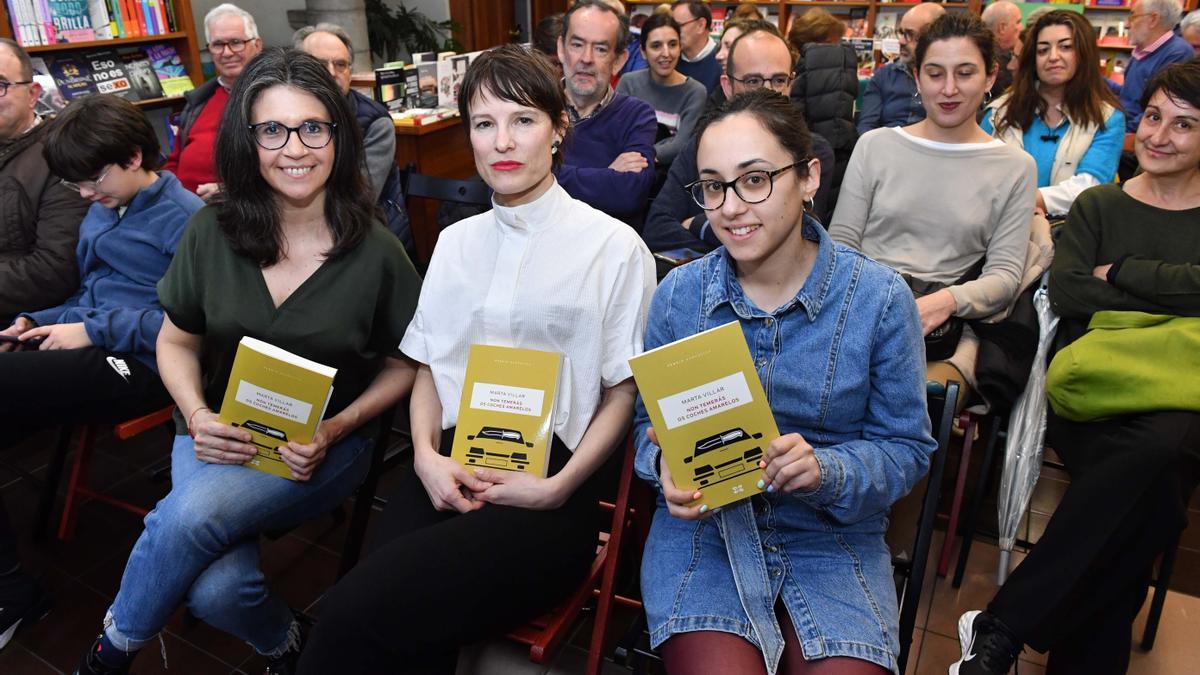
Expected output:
(132, 274)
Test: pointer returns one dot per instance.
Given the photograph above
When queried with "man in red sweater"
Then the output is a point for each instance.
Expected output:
(232, 37)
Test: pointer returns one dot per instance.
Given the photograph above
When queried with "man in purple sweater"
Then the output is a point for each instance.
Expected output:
(608, 157)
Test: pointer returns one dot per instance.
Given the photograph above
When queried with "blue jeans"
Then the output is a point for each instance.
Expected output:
(201, 543)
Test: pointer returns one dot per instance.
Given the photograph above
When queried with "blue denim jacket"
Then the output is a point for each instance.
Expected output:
(843, 365)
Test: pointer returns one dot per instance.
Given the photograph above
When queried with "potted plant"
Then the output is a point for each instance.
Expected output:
(397, 31)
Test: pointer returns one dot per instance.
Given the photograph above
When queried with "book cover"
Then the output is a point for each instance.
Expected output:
(709, 410)
(108, 72)
(505, 418)
(72, 77)
(389, 86)
(51, 101)
(142, 78)
(424, 57)
(427, 76)
(412, 88)
(172, 76)
(864, 51)
(72, 21)
(278, 397)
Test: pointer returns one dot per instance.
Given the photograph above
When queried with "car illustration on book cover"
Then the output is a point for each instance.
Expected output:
(499, 449)
(273, 437)
(726, 455)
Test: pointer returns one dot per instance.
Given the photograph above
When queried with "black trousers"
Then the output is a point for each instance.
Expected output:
(1079, 590)
(436, 581)
(40, 389)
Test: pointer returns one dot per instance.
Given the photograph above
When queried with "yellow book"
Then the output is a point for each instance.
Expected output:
(710, 413)
(278, 397)
(505, 418)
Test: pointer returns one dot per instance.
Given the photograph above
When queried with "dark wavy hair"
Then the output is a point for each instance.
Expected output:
(96, 131)
(1085, 93)
(512, 73)
(656, 21)
(249, 214)
(776, 114)
(949, 26)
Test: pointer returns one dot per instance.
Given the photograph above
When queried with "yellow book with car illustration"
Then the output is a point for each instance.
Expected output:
(710, 413)
(278, 397)
(506, 416)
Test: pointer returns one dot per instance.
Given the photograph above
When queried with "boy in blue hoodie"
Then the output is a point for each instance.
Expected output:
(91, 359)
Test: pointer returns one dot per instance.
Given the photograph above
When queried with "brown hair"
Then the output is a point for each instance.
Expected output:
(950, 26)
(747, 10)
(1085, 93)
(815, 25)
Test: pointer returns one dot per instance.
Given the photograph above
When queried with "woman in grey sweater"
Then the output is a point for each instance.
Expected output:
(935, 198)
(677, 99)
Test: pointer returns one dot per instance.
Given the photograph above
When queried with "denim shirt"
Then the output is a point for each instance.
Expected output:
(842, 364)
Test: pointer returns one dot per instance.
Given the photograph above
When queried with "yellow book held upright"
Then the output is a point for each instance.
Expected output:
(710, 413)
(278, 397)
(505, 418)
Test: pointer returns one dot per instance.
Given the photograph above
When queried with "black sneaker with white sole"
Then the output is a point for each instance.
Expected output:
(988, 646)
(22, 602)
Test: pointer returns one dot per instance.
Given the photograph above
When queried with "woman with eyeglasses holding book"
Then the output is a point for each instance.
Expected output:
(291, 254)
(460, 553)
(796, 579)
(91, 359)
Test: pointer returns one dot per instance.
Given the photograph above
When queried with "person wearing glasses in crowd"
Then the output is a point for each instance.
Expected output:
(290, 253)
(797, 579)
(972, 246)
(759, 58)
(39, 226)
(91, 358)
(1155, 46)
(232, 37)
(891, 98)
(698, 54)
(331, 45)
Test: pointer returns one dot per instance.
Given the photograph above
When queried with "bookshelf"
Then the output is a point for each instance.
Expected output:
(183, 39)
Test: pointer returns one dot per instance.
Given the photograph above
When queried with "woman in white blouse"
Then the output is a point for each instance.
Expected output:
(462, 554)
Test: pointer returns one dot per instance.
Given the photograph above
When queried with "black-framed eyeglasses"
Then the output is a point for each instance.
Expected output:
(272, 135)
(751, 187)
(235, 45)
(4, 85)
(776, 82)
(93, 185)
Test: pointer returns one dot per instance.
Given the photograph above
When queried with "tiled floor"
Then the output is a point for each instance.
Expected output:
(84, 572)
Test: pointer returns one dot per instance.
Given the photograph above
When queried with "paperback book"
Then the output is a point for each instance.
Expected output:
(51, 100)
(710, 413)
(141, 77)
(172, 76)
(72, 77)
(505, 418)
(108, 72)
(278, 397)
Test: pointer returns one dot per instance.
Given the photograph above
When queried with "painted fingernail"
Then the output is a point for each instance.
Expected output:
(770, 488)
(703, 508)
(761, 484)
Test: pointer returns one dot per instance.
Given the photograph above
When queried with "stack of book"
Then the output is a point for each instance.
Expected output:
(48, 22)
(149, 72)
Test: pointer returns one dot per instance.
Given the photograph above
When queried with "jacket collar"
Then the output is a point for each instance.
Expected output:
(723, 288)
(535, 216)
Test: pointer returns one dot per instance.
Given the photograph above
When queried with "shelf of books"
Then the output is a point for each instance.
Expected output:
(143, 50)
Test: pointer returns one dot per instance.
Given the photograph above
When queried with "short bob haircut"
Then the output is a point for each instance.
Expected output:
(512, 73)
(1180, 82)
(949, 26)
(249, 213)
(815, 25)
(776, 114)
(96, 131)
(656, 21)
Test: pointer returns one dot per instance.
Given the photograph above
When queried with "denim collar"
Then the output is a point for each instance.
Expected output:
(723, 286)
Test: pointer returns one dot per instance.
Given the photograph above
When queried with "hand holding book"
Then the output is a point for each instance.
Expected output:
(790, 465)
(217, 442)
(304, 458)
(520, 489)
(683, 504)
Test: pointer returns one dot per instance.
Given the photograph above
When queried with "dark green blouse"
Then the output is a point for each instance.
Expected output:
(349, 314)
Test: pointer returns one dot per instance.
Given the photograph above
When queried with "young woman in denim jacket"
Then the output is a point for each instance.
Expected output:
(798, 579)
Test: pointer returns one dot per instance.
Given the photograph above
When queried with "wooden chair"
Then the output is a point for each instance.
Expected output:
(77, 487)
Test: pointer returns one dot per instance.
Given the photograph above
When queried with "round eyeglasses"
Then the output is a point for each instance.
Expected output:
(272, 135)
(751, 187)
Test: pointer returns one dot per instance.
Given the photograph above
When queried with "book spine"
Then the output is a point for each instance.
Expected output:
(161, 16)
(144, 18)
(98, 12)
(114, 12)
(29, 37)
(169, 8)
(14, 19)
(131, 24)
(35, 21)
(47, 21)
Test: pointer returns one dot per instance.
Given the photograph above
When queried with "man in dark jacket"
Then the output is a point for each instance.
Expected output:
(39, 217)
(891, 98)
(331, 45)
(759, 58)
(825, 89)
(232, 37)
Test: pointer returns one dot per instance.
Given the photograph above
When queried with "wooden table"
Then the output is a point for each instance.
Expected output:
(437, 149)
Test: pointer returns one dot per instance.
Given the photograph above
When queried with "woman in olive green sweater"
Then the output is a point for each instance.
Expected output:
(1134, 247)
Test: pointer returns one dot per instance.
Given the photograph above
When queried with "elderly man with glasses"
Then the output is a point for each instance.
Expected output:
(233, 41)
(39, 218)
(698, 57)
(891, 98)
(331, 45)
(758, 58)
(1155, 46)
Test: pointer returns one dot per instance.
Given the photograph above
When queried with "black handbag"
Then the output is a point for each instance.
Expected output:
(942, 341)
